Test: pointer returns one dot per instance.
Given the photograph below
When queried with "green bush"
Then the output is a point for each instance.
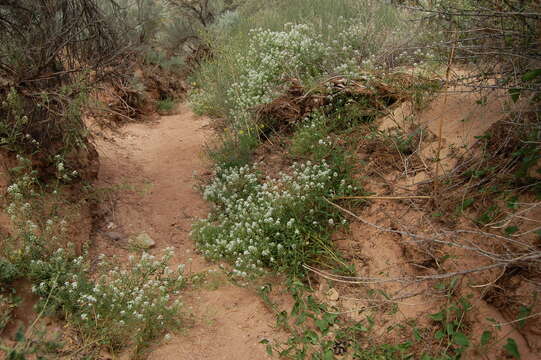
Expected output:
(121, 307)
(8, 272)
(279, 224)
(108, 305)
(303, 39)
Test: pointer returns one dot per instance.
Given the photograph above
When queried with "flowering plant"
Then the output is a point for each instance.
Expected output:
(269, 223)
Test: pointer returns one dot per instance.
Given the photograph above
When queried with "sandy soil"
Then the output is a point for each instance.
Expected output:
(151, 168)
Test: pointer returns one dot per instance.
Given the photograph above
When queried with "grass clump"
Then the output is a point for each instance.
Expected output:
(165, 106)
(278, 223)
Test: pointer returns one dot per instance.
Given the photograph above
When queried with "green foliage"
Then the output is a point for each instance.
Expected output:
(261, 223)
(108, 305)
(311, 140)
(120, 307)
(512, 349)
(165, 105)
(8, 303)
(452, 329)
(302, 39)
(234, 150)
(8, 272)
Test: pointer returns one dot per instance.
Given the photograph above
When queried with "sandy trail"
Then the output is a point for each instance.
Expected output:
(152, 167)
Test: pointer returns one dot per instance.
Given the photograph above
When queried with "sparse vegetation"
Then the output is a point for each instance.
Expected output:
(297, 91)
(102, 305)
(315, 98)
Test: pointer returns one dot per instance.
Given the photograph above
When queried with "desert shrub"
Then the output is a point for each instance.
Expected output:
(52, 52)
(183, 29)
(122, 306)
(304, 40)
(278, 224)
(111, 305)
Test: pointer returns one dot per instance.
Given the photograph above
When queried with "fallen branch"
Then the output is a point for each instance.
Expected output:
(382, 197)
(499, 261)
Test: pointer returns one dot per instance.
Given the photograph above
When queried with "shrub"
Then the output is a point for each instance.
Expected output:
(301, 39)
(110, 305)
(120, 307)
(51, 51)
(270, 223)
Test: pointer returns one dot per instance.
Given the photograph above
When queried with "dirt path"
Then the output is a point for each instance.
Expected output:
(151, 167)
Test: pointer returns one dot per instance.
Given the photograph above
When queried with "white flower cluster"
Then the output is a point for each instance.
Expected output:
(272, 55)
(117, 302)
(23, 207)
(62, 173)
(258, 224)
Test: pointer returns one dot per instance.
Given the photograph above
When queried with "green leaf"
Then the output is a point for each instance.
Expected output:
(450, 328)
(300, 319)
(330, 318)
(512, 348)
(296, 308)
(440, 286)
(460, 339)
(438, 316)
(417, 334)
(515, 94)
(439, 335)
(532, 74)
(510, 230)
(523, 312)
(512, 203)
(322, 325)
(328, 355)
(359, 327)
(19, 335)
(311, 336)
(467, 203)
(486, 337)
(453, 283)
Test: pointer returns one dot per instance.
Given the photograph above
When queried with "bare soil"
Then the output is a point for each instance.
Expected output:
(397, 307)
(150, 167)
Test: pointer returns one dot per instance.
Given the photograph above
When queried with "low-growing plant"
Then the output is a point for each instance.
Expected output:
(233, 150)
(8, 303)
(108, 305)
(122, 306)
(165, 105)
(8, 272)
(271, 223)
(311, 140)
